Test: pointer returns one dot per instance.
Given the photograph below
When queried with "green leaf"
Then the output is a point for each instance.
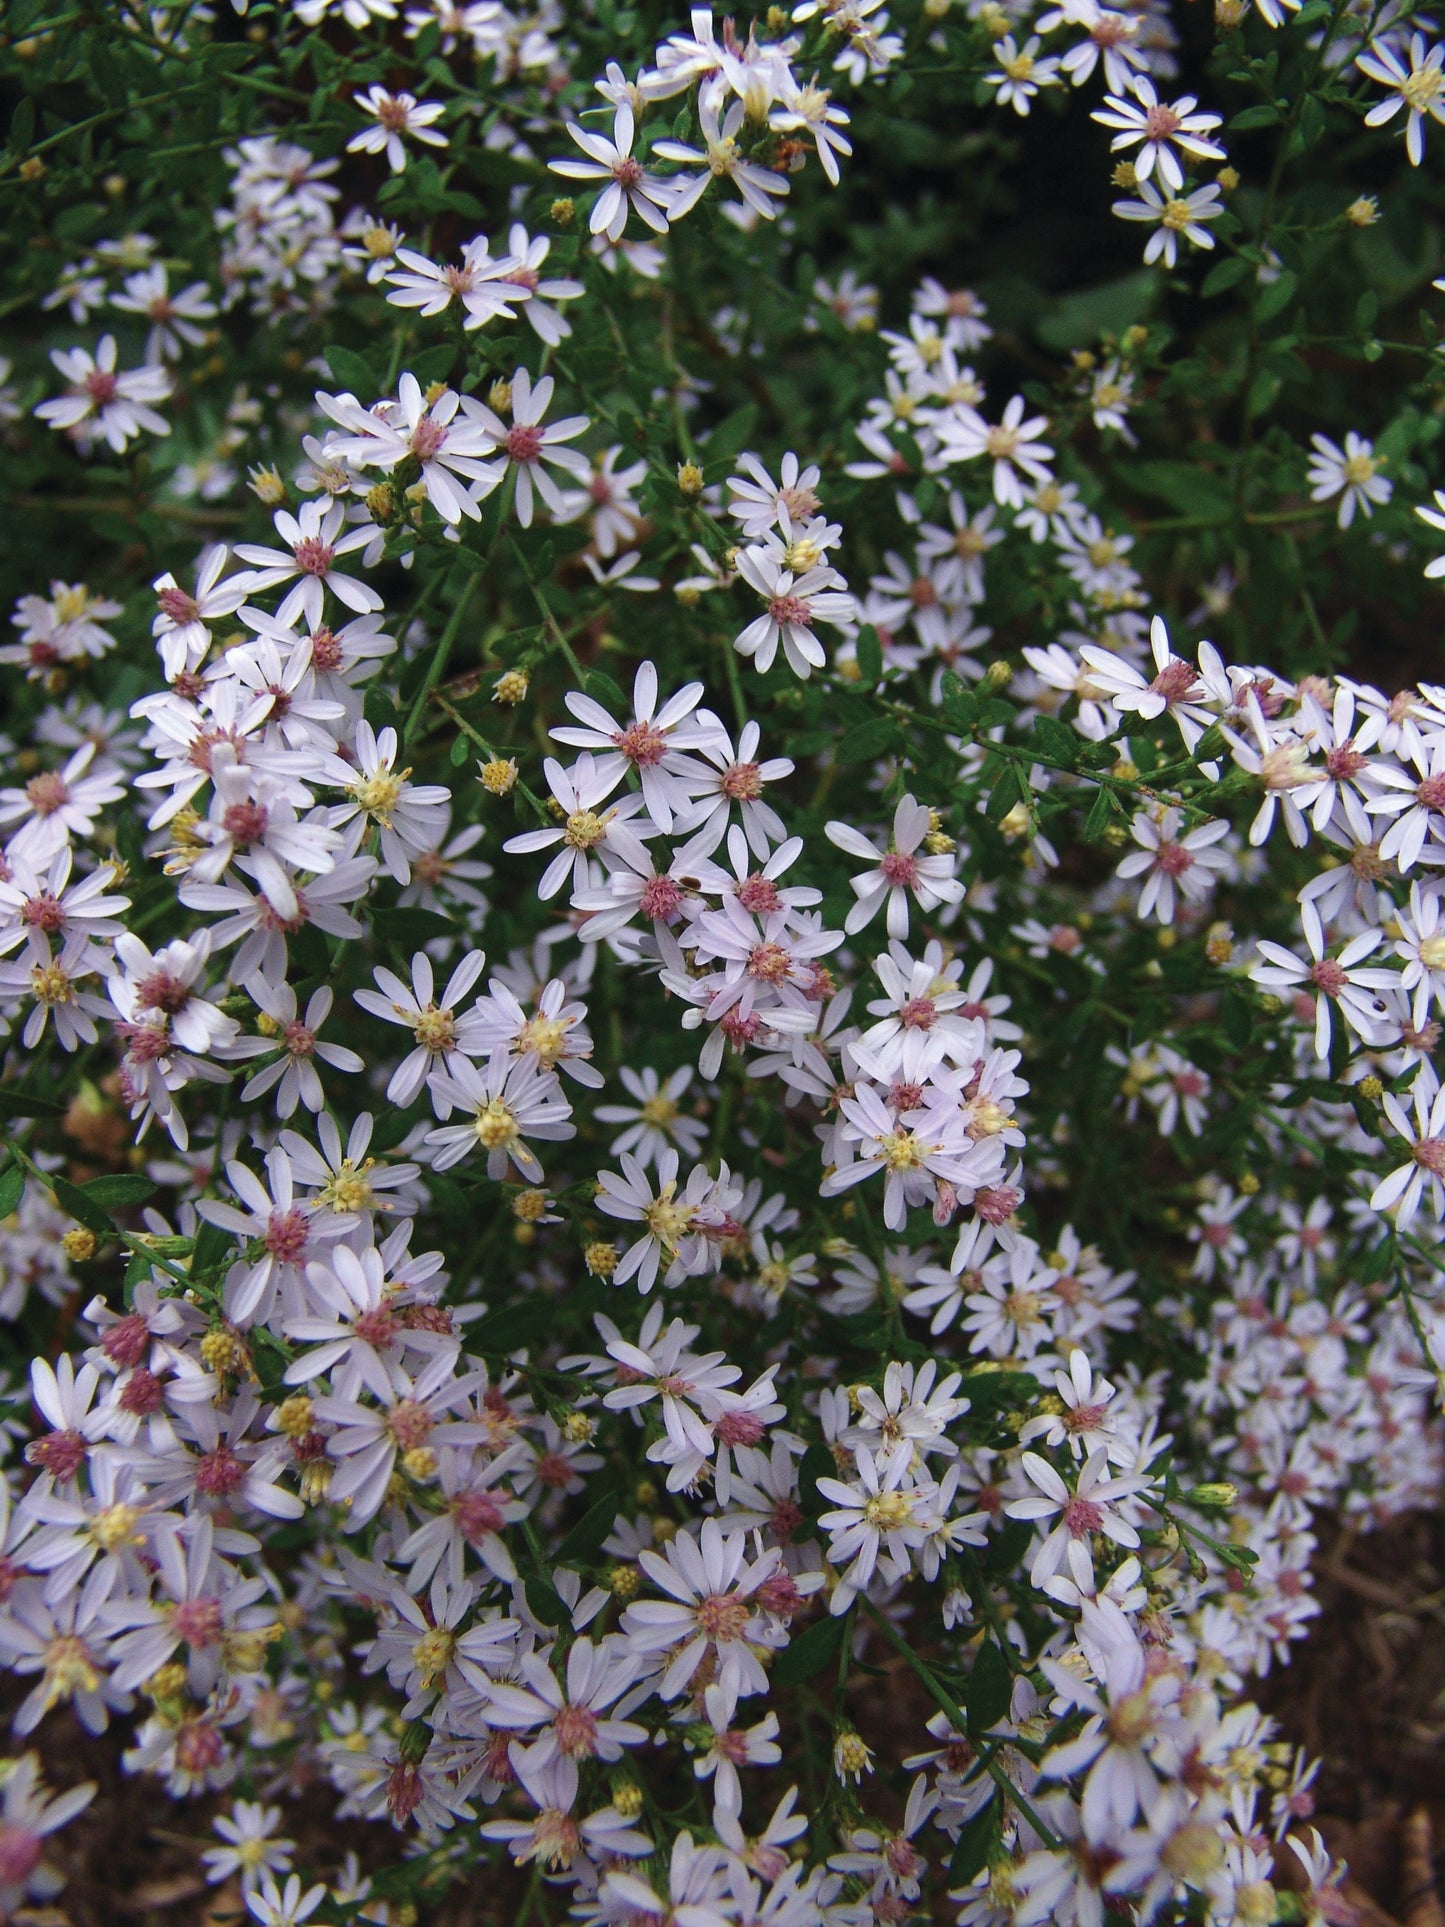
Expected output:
(213, 1248)
(352, 371)
(870, 654)
(602, 689)
(868, 741)
(980, 1836)
(83, 1209)
(1011, 788)
(589, 1532)
(810, 1652)
(1266, 115)
(990, 1688)
(818, 1463)
(545, 1601)
(12, 1188)
(1225, 274)
(1080, 319)
(1184, 486)
(1057, 740)
(115, 1193)
(731, 435)
(22, 126)
(15, 1103)
(514, 1326)
(459, 751)
(409, 929)
(1276, 295)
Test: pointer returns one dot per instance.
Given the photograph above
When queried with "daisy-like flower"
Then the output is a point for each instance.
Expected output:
(877, 1521)
(313, 542)
(587, 828)
(522, 272)
(1012, 444)
(1351, 472)
(811, 109)
(1435, 517)
(1423, 1172)
(292, 1072)
(735, 778)
(180, 630)
(116, 407)
(569, 1718)
(652, 744)
(1091, 1507)
(1174, 214)
(505, 1102)
(173, 317)
(252, 1850)
(479, 284)
(433, 1026)
(711, 1607)
(38, 905)
(58, 805)
(794, 604)
(654, 1121)
(1085, 1423)
(28, 1816)
(1176, 687)
(1421, 944)
(409, 817)
(527, 445)
(1156, 128)
(288, 1906)
(675, 1223)
(719, 159)
(1418, 87)
(629, 186)
(395, 116)
(900, 872)
(424, 434)
(1021, 72)
(760, 504)
(1339, 981)
(1171, 863)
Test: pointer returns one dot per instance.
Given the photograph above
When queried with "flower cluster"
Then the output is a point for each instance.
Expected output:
(682, 1023)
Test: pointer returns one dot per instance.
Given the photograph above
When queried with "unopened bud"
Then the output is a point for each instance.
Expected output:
(1219, 1494)
(529, 1205)
(1371, 1088)
(79, 1245)
(499, 775)
(511, 688)
(600, 1258)
(1364, 212)
(267, 486)
(998, 676)
(564, 210)
(1228, 179)
(381, 504)
(499, 398)
(689, 481)
(627, 1794)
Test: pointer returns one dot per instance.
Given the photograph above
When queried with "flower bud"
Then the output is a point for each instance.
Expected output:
(1220, 1494)
(689, 481)
(564, 210)
(79, 1245)
(511, 688)
(499, 776)
(600, 1258)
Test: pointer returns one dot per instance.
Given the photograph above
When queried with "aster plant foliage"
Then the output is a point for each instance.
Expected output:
(722, 936)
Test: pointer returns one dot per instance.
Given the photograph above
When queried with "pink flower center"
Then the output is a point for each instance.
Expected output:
(1344, 760)
(199, 1621)
(179, 606)
(790, 609)
(524, 442)
(287, 1236)
(576, 1730)
(1432, 792)
(627, 172)
(376, 1328)
(142, 1394)
(300, 1041)
(60, 1453)
(723, 1616)
(919, 1013)
(325, 649)
(427, 439)
(660, 899)
(199, 1749)
(1161, 121)
(19, 1855)
(313, 556)
(769, 963)
(1329, 976)
(220, 1474)
(244, 823)
(101, 386)
(126, 1341)
(43, 912)
(411, 1424)
(742, 782)
(922, 594)
(758, 894)
(1173, 859)
(1429, 1154)
(996, 1203)
(159, 990)
(899, 870)
(1174, 681)
(47, 793)
(643, 744)
(477, 1514)
(739, 1428)
(1082, 1516)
